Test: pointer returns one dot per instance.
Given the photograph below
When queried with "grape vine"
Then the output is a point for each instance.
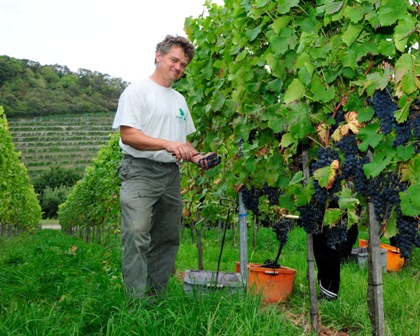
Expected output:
(333, 79)
(270, 78)
(19, 206)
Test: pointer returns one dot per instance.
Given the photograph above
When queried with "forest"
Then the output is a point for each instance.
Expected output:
(29, 89)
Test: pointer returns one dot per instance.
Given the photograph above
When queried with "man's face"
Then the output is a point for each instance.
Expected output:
(172, 65)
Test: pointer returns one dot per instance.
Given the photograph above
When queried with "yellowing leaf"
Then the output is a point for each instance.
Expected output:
(326, 175)
(354, 125)
(336, 136)
(335, 165)
(321, 129)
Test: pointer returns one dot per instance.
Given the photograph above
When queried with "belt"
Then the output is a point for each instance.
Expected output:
(128, 156)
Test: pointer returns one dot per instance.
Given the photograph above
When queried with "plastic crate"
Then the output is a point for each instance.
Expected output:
(205, 281)
(360, 255)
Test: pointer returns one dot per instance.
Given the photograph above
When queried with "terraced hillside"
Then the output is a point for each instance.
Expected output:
(69, 141)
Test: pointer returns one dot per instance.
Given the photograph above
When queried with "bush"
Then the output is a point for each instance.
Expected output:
(56, 177)
(51, 198)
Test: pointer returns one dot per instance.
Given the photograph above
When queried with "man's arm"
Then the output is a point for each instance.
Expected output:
(140, 141)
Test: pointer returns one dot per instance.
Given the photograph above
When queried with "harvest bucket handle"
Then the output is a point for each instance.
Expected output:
(223, 202)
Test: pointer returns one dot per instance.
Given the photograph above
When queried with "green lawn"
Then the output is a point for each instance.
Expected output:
(53, 284)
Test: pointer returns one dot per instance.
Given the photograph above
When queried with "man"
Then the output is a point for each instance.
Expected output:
(154, 122)
(329, 260)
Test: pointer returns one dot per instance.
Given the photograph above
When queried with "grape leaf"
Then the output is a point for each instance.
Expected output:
(357, 13)
(280, 23)
(251, 34)
(320, 91)
(333, 7)
(407, 69)
(370, 137)
(297, 178)
(287, 140)
(410, 201)
(261, 3)
(332, 216)
(381, 160)
(218, 101)
(392, 10)
(405, 153)
(284, 6)
(391, 225)
(351, 34)
(286, 202)
(346, 199)
(411, 171)
(278, 44)
(295, 91)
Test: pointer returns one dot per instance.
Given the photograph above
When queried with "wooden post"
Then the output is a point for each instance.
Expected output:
(243, 241)
(199, 245)
(375, 289)
(314, 312)
(254, 235)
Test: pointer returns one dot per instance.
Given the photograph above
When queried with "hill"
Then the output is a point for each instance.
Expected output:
(29, 89)
(66, 141)
(53, 112)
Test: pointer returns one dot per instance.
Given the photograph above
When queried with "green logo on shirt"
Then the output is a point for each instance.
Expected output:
(181, 115)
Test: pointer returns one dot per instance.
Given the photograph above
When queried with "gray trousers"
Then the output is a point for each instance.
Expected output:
(151, 209)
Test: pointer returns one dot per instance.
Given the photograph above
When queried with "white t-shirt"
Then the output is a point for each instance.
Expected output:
(157, 111)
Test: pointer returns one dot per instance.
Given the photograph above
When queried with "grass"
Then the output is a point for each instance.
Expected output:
(53, 284)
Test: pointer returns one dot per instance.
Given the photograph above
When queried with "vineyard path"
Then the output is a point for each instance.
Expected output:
(51, 226)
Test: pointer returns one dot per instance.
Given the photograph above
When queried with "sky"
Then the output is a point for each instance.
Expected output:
(114, 37)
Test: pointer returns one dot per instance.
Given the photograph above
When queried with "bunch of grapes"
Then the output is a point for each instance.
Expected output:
(408, 234)
(415, 124)
(336, 234)
(414, 121)
(251, 197)
(272, 193)
(403, 133)
(212, 160)
(326, 155)
(360, 180)
(252, 135)
(414, 118)
(348, 146)
(384, 192)
(384, 108)
(311, 216)
(281, 229)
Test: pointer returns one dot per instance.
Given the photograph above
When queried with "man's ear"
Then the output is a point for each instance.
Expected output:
(158, 57)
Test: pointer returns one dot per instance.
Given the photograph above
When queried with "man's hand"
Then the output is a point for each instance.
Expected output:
(182, 151)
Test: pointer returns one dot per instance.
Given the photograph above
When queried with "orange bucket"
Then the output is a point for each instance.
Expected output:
(274, 284)
(238, 266)
(394, 262)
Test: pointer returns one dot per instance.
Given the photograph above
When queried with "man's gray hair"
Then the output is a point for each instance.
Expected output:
(177, 41)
